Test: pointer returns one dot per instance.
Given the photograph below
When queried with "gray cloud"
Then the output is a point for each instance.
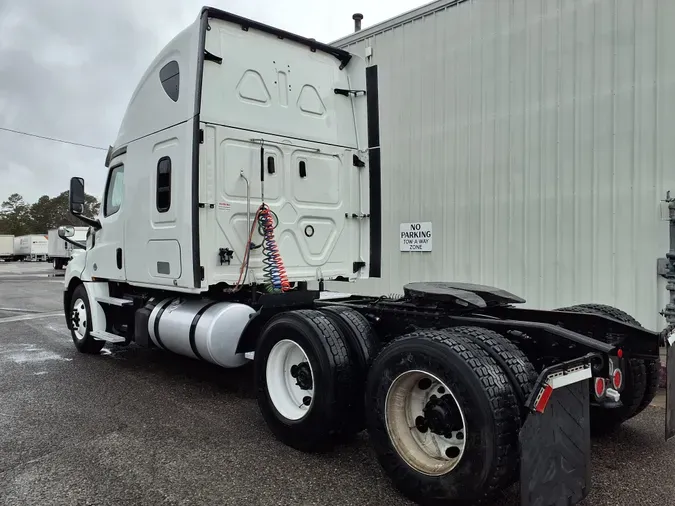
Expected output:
(68, 68)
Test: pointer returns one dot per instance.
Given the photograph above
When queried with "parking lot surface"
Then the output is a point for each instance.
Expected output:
(143, 427)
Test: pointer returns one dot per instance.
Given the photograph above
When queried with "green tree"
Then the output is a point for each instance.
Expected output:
(49, 213)
(19, 218)
(14, 215)
(40, 215)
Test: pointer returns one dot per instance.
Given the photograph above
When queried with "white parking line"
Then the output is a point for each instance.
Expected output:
(18, 310)
(28, 317)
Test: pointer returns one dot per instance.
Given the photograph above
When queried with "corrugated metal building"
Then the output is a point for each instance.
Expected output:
(538, 138)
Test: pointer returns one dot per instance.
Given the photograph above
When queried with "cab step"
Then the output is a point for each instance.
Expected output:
(107, 336)
(114, 301)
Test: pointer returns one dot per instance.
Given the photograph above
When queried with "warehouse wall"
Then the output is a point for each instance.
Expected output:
(538, 137)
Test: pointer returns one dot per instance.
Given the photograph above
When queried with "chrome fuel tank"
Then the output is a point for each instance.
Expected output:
(200, 328)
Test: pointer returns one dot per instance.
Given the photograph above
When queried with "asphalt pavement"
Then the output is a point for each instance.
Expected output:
(143, 427)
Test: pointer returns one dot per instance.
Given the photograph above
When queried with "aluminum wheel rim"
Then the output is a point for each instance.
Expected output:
(425, 451)
(285, 389)
(79, 319)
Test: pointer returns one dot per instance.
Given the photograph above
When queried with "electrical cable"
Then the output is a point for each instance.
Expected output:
(243, 270)
(54, 139)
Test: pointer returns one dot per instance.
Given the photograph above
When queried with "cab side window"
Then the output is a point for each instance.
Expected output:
(114, 193)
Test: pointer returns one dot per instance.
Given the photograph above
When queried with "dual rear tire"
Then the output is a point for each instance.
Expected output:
(442, 414)
(310, 370)
(443, 418)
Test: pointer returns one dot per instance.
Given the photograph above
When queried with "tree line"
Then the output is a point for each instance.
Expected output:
(17, 217)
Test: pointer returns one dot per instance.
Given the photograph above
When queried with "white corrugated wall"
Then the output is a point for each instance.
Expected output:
(539, 138)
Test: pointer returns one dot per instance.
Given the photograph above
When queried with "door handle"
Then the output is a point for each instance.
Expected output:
(119, 258)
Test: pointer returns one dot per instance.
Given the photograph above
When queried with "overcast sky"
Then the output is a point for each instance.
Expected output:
(68, 68)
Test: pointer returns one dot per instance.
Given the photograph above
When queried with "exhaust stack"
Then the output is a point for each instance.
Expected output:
(357, 21)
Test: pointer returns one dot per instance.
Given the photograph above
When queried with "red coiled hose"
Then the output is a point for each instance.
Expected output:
(274, 266)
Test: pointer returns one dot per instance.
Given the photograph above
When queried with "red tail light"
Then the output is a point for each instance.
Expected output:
(617, 379)
(600, 387)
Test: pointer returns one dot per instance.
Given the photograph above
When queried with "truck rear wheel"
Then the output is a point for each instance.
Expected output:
(304, 379)
(81, 324)
(521, 369)
(641, 381)
(363, 345)
(442, 418)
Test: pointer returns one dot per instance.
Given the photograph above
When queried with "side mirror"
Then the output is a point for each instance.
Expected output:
(66, 231)
(76, 196)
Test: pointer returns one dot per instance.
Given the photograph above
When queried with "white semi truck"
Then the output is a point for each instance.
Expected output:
(59, 250)
(247, 167)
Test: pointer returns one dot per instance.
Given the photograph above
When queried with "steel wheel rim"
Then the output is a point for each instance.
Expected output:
(427, 452)
(287, 391)
(79, 319)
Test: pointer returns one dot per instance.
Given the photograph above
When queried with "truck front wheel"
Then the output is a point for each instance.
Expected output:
(80, 323)
(442, 418)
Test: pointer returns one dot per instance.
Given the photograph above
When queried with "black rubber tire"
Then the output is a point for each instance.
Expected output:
(88, 344)
(520, 366)
(635, 395)
(334, 380)
(364, 344)
(522, 370)
(490, 459)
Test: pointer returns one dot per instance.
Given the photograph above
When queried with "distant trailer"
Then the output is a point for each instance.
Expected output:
(60, 251)
(6, 247)
(32, 247)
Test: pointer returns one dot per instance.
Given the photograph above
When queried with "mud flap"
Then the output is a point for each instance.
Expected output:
(670, 385)
(555, 450)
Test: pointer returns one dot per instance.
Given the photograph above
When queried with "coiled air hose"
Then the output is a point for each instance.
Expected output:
(275, 272)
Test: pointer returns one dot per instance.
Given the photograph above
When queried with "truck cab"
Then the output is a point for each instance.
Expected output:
(211, 133)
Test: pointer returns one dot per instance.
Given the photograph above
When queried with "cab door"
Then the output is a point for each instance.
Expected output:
(106, 258)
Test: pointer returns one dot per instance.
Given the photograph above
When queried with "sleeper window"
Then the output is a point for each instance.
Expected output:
(169, 76)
